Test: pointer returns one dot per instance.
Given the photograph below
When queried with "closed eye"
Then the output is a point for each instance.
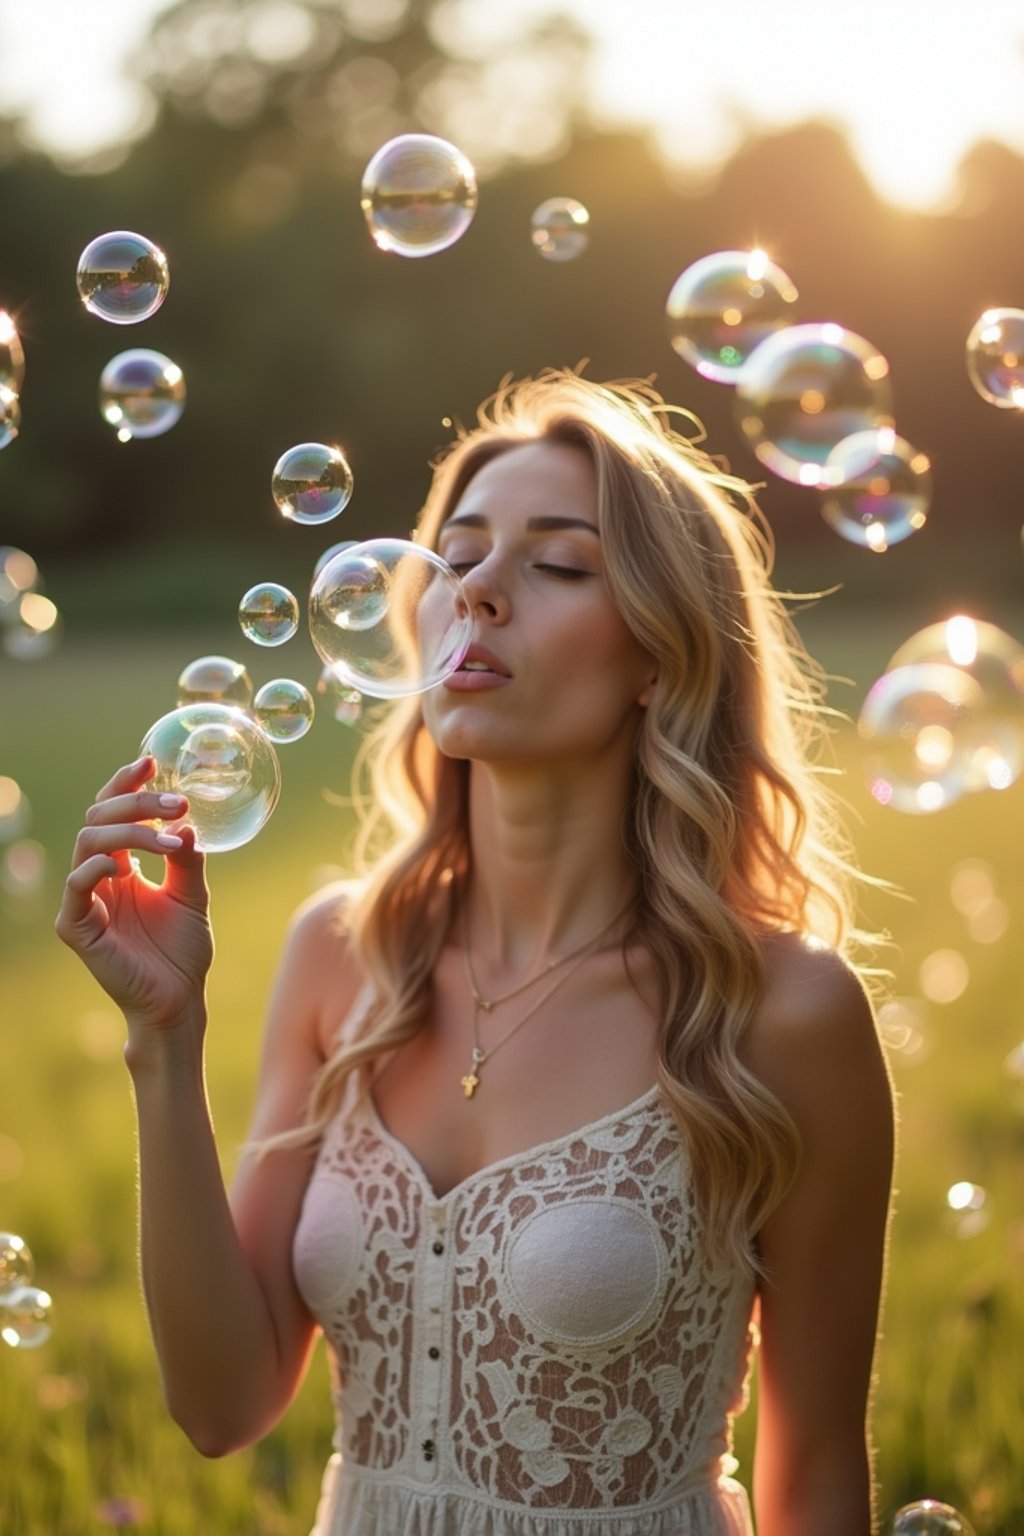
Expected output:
(565, 572)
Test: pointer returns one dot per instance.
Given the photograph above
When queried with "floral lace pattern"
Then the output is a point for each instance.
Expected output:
(548, 1338)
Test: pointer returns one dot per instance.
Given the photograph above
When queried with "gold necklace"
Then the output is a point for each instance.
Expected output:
(488, 1003)
(471, 1082)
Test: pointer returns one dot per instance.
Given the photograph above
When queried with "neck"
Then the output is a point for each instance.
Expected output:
(549, 866)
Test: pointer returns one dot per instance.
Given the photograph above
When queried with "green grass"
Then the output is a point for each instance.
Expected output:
(82, 1418)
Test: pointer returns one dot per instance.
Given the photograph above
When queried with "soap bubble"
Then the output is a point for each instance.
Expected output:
(391, 617)
(31, 627)
(312, 483)
(329, 554)
(927, 1517)
(284, 708)
(12, 355)
(803, 390)
(220, 758)
(995, 357)
(215, 680)
(268, 614)
(122, 277)
(879, 489)
(723, 306)
(418, 195)
(16, 1266)
(142, 393)
(915, 721)
(558, 229)
(15, 813)
(344, 701)
(994, 737)
(25, 1317)
(10, 415)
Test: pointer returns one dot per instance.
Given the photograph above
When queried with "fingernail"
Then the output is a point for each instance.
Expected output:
(168, 840)
(170, 801)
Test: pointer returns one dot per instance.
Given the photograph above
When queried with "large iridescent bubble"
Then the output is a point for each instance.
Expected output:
(390, 617)
(993, 736)
(219, 757)
(879, 489)
(806, 388)
(915, 723)
(122, 277)
(723, 306)
(142, 393)
(418, 195)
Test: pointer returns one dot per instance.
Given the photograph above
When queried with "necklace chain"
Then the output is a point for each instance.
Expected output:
(471, 1082)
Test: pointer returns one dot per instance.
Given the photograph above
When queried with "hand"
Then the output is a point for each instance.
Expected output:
(149, 946)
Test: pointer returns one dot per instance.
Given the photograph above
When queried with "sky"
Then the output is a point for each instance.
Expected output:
(914, 83)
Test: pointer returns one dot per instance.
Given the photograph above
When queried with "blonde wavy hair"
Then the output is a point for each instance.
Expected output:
(733, 831)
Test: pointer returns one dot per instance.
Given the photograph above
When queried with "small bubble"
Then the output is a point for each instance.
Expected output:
(285, 709)
(995, 357)
(312, 483)
(142, 394)
(268, 614)
(122, 277)
(559, 229)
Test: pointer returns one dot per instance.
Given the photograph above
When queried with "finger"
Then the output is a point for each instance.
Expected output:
(131, 776)
(143, 805)
(123, 835)
(83, 916)
(185, 871)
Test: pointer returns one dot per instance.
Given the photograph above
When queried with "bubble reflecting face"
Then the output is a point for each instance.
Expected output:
(418, 195)
(391, 617)
(559, 229)
(915, 724)
(927, 1517)
(221, 759)
(12, 355)
(723, 306)
(25, 1317)
(10, 416)
(16, 1266)
(284, 708)
(806, 388)
(142, 394)
(995, 357)
(215, 680)
(879, 489)
(344, 702)
(122, 277)
(993, 739)
(268, 614)
(312, 483)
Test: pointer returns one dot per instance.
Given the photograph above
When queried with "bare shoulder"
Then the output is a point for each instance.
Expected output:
(319, 956)
(814, 1037)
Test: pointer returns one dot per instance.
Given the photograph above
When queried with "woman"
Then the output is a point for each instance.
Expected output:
(577, 1092)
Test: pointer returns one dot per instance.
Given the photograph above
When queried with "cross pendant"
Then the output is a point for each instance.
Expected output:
(470, 1084)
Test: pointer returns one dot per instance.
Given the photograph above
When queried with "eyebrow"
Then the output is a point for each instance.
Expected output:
(533, 524)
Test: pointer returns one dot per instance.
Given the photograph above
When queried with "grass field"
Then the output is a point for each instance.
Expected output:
(85, 1440)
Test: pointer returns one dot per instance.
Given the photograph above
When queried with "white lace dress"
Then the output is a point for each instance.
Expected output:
(543, 1352)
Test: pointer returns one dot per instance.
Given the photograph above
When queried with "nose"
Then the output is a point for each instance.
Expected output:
(485, 591)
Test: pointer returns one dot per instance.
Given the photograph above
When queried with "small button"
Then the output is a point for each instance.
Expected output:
(428, 1450)
(439, 1247)
(434, 1352)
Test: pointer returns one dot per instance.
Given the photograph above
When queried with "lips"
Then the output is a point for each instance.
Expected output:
(486, 658)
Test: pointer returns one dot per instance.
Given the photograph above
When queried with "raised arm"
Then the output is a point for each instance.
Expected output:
(816, 1047)
(231, 1333)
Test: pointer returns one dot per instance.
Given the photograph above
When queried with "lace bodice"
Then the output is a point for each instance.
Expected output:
(544, 1346)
